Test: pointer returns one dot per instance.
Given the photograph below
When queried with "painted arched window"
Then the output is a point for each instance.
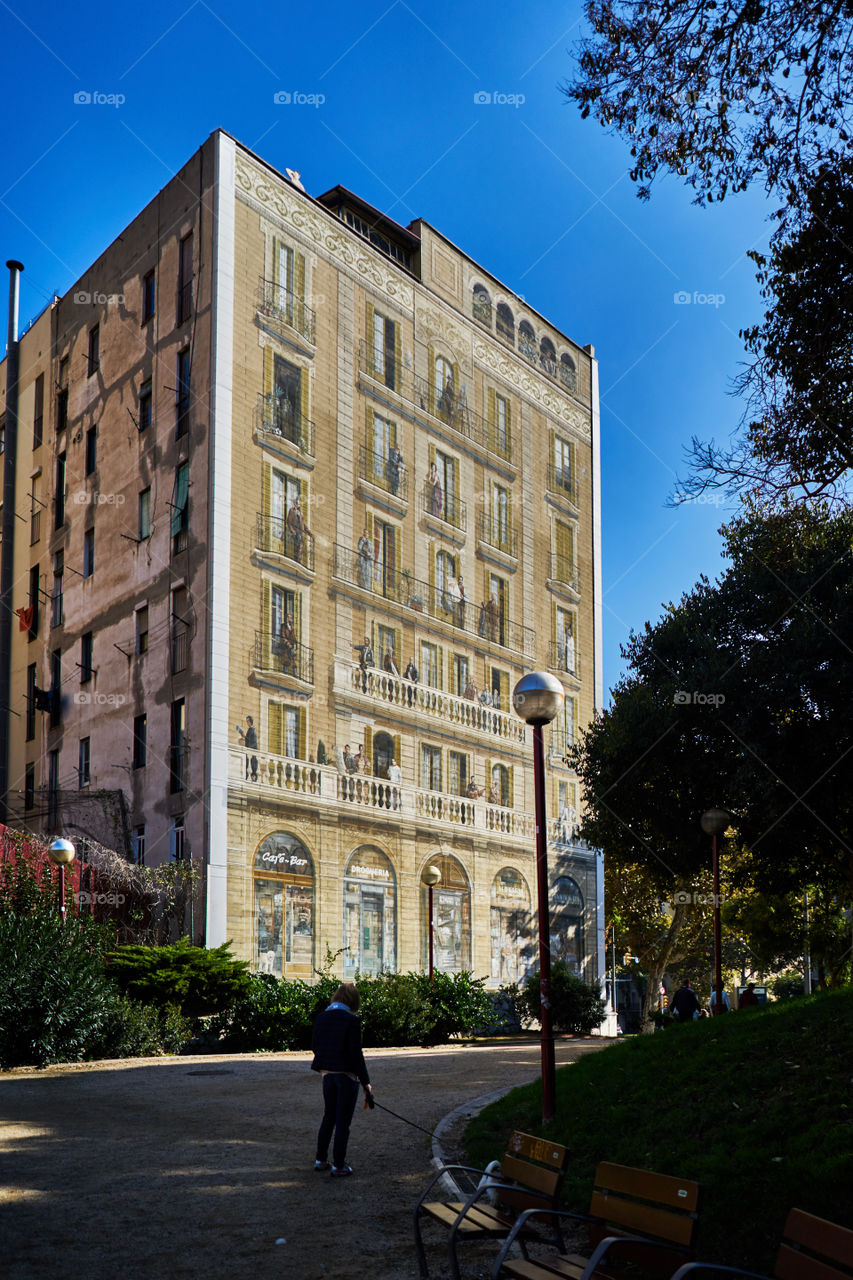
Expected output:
(451, 926)
(445, 577)
(527, 341)
(505, 323)
(568, 373)
(481, 307)
(283, 883)
(548, 357)
(501, 785)
(370, 913)
(443, 375)
(446, 391)
(513, 947)
(567, 923)
(383, 754)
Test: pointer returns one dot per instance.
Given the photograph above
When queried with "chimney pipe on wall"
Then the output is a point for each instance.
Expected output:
(7, 552)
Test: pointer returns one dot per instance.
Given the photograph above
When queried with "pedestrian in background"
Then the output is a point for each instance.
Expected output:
(339, 1058)
(685, 1002)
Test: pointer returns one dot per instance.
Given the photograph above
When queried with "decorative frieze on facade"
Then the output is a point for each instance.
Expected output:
(272, 198)
(531, 384)
(430, 325)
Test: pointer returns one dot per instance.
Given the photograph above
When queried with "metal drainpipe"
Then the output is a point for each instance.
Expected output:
(7, 556)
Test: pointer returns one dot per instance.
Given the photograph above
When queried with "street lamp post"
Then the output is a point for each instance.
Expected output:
(62, 852)
(431, 876)
(537, 698)
(714, 823)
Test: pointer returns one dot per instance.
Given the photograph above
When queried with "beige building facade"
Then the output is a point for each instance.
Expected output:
(345, 493)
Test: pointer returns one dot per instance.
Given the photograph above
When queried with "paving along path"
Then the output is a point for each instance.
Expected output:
(165, 1169)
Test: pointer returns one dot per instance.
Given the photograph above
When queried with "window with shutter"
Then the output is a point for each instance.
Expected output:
(275, 720)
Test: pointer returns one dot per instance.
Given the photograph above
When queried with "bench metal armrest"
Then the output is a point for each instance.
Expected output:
(613, 1242)
(693, 1268)
(521, 1222)
(497, 1181)
(445, 1169)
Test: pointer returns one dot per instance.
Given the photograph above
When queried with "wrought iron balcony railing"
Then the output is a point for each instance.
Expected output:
(275, 415)
(564, 571)
(562, 482)
(447, 404)
(385, 473)
(497, 533)
(565, 657)
(273, 536)
(283, 307)
(471, 616)
(274, 653)
(445, 506)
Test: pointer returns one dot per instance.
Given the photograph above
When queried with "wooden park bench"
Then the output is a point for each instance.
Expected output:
(811, 1249)
(645, 1219)
(531, 1174)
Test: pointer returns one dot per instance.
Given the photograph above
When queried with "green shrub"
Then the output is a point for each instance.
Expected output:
(134, 1030)
(788, 985)
(271, 1015)
(196, 980)
(577, 1006)
(53, 993)
(396, 1009)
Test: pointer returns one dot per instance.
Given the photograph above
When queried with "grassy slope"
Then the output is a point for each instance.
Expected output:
(756, 1106)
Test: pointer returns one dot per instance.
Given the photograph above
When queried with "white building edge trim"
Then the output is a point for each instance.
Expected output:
(219, 560)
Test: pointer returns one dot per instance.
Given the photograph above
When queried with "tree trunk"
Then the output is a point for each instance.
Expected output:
(656, 962)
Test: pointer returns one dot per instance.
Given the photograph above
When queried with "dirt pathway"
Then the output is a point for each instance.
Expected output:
(197, 1167)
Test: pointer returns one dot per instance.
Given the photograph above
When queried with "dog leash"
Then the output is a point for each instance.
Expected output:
(374, 1103)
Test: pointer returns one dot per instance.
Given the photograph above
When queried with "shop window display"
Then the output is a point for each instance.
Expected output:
(284, 907)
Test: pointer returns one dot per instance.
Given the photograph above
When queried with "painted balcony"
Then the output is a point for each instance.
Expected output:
(324, 786)
(381, 687)
(442, 404)
(285, 310)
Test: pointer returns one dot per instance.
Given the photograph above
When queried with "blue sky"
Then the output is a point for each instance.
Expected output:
(390, 105)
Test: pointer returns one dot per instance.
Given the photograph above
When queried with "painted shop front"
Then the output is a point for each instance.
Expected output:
(512, 929)
(370, 914)
(283, 877)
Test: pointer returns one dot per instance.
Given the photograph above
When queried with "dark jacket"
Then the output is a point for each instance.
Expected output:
(336, 1043)
(684, 1003)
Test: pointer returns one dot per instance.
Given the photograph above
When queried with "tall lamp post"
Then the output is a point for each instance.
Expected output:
(537, 698)
(61, 853)
(714, 823)
(431, 876)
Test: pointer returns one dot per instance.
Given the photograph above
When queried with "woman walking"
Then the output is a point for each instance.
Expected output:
(338, 1057)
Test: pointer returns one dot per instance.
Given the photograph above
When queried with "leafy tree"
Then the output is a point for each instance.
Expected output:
(798, 385)
(738, 697)
(725, 93)
(722, 93)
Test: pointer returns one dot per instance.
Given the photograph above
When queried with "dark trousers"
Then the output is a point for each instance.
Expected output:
(340, 1095)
